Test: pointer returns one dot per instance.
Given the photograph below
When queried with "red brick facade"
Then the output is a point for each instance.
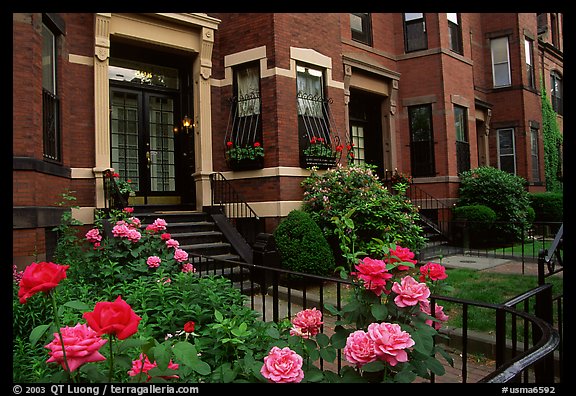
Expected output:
(397, 79)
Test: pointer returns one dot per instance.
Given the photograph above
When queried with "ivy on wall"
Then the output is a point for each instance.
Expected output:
(552, 138)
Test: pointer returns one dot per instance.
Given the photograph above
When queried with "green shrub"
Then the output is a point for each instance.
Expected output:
(475, 223)
(502, 192)
(548, 206)
(378, 213)
(302, 245)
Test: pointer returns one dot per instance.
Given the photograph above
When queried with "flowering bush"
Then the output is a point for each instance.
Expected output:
(136, 322)
(385, 331)
(238, 153)
(356, 192)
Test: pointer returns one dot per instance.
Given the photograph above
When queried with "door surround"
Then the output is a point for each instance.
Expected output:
(191, 32)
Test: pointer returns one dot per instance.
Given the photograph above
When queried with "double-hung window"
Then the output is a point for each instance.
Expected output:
(421, 140)
(415, 37)
(506, 150)
(529, 63)
(534, 154)
(556, 93)
(455, 32)
(462, 145)
(361, 27)
(500, 62)
(50, 100)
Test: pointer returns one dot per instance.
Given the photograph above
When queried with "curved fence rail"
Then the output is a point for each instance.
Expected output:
(525, 344)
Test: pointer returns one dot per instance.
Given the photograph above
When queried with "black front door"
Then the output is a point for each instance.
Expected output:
(148, 144)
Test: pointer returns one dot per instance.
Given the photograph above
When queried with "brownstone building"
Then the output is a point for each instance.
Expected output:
(167, 99)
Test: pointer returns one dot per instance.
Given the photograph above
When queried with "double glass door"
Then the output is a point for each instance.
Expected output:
(143, 140)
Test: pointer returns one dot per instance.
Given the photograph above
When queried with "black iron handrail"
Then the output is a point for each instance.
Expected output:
(113, 199)
(228, 199)
(266, 282)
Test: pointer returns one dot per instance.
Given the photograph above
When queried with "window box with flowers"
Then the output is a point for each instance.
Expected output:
(245, 157)
(319, 154)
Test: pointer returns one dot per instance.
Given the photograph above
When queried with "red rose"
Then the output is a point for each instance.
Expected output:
(189, 327)
(229, 144)
(113, 318)
(256, 144)
(40, 277)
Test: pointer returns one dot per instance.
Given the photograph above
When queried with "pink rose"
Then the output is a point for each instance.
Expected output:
(410, 292)
(158, 225)
(153, 261)
(180, 255)
(359, 348)
(81, 345)
(134, 222)
(390, 342)
(120, 230)
(133, 235)
(282, 366)
(401, 255)
(438, 314)
(432, 271)
(93, 235)
(187, 268)
(172, 243)
(307, 323)
(143, 365)
(374, 274)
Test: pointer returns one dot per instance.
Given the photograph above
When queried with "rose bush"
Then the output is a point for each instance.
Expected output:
(135, 322)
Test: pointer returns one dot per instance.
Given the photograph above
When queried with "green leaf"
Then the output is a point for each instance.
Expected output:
(328, 353)
(435, 366)
(405, 376)
(379, 311)
(313, 374)
(79, 305)
(187, 354)
(37, 333)
(373, 367)
(423, 343)
(218, 315)
(322, 339)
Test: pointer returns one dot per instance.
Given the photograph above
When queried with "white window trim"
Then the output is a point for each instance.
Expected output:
(507, 62)
(513, 146)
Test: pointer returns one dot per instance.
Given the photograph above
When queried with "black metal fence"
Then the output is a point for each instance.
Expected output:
(526, 340)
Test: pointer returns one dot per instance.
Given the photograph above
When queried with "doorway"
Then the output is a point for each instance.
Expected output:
(148, 143)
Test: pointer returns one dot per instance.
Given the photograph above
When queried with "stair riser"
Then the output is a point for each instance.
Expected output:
(195, 239)
(148, 218)
(209, 250)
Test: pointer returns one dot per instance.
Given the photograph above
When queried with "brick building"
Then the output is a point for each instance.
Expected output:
(431, 94)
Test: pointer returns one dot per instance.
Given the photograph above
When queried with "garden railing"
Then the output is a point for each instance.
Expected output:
(279, 293)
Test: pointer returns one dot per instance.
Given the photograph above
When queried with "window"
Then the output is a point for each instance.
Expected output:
(455, 32)
(556, 93)
(50, 100)
(500, 62)
(506, 150)
(462, 145)
(317, 142)
(534, 154)
(421, 140)
(359, 149)
(415, 37)
(361, 28)
(244, 128)
(529, 63)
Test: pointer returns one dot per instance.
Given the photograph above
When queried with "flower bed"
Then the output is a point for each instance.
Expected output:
(130, 308)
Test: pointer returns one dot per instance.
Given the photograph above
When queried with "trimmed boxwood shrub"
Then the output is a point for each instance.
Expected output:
(302, 245)
(502, 192)
(475, 220)
(548, 206)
